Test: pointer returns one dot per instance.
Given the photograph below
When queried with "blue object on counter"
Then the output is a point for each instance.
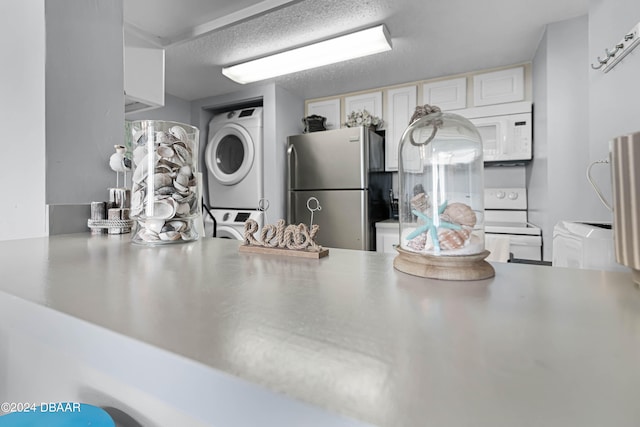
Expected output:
(59, 414)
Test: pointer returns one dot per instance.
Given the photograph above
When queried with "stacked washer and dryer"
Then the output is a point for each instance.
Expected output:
(235, 176)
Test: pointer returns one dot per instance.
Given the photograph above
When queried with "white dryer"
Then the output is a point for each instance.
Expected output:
(233, 157)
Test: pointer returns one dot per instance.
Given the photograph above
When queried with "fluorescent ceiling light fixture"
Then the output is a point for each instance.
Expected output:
(350, 46)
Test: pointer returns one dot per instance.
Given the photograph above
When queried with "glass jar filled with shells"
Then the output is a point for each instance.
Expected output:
(441, 209)
(165, 192)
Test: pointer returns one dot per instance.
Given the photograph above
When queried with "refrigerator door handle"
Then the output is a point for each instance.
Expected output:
(291, 155)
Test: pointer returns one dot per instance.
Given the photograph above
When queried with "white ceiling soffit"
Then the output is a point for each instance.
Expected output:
(167, 23)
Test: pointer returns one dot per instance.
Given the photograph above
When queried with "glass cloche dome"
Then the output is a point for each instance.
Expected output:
(441, 206)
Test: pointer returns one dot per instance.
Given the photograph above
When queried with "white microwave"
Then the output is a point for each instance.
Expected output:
(506, 130)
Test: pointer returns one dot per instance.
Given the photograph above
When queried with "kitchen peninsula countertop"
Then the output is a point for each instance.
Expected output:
(244, 339)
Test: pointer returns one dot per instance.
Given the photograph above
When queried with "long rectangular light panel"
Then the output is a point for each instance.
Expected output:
(342, 48)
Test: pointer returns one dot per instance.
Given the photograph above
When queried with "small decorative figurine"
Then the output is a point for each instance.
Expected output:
(112, 217)
(120, 164)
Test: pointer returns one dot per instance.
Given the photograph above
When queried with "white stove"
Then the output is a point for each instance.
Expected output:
(505, 216)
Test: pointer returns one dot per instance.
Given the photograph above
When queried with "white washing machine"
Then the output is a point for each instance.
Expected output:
(234, 162)
(229, 223)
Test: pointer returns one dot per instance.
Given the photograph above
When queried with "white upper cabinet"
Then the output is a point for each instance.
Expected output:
(498, 87)
(401, 104)
(372, 102)
(329, 109)
(448, 94)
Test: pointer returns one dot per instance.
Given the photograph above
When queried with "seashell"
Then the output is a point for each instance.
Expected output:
(186, 170)
(162, 168)
(459, 213)
(142, 168)
(169, 235)
(147, 235)
(141, 172)
(179, 197)
(155, 225)
(139, 153)
(189, 234)
(166, 191)
(140, 137)
(172, 165)
(420, 202)
(164, 209)
(181, 188)
(183, 153)
(165, 151)
(193, 202)
(183, 179)
(161, 180)
(183, 209)
(452, 239)
(137, 201)
(417, 243)
(179, 133)
(187, 197)
(177, 225)
(161, 137)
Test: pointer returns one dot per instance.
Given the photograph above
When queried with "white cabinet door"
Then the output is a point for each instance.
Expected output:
(401, 104)
(447, 94)
(386, 239)
(372, 102)
(330, 109)
(498, 87)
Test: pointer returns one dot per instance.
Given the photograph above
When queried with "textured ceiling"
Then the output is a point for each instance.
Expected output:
(431, 38)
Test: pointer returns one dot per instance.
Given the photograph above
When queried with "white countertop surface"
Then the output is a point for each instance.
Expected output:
(347, 336)
(393, 224)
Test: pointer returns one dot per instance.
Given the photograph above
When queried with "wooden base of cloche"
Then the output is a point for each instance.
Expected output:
(462, 267)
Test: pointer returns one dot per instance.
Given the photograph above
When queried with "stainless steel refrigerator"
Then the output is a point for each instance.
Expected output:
(344, 170)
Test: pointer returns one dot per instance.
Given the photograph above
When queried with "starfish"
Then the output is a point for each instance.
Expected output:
(429, 227)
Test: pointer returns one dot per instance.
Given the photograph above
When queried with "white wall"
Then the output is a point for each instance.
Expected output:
(61, 109)
(613, 96)
(288, 118)
(558, 189)
(84, 97)
(22, 119)
(578, 110)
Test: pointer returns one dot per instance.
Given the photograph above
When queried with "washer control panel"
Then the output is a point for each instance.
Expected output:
(236, 217)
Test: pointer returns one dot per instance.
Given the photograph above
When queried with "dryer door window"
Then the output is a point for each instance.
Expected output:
(230, 154)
